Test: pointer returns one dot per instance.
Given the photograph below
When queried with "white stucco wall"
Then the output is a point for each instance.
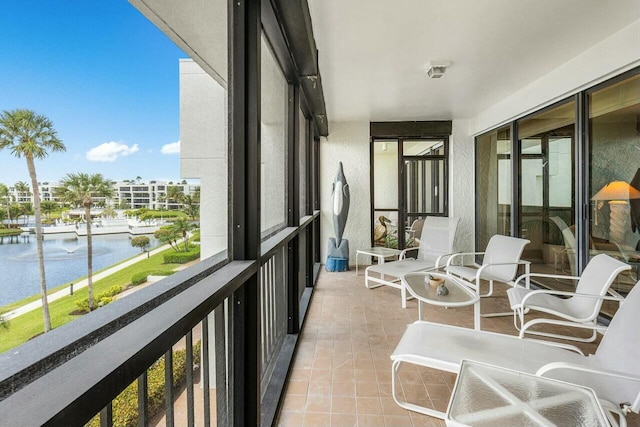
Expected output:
(462, 184)
(610, 57)
(348, 142)
(203, 150)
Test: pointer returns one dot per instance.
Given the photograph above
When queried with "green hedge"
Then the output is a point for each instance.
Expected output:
(125, 406)
(141, 277)
(182, 257)
(101, 299)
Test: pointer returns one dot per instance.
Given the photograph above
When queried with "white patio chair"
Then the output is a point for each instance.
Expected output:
(436, 243)
(613, 372)
(500, 262)
(577, 309)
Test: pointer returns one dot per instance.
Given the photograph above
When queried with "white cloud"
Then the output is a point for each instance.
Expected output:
(110, 151)
(171, 148)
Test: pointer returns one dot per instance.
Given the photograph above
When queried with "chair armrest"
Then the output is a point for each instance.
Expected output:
(568, 294)
(485, 266)
(461, 254)
(554, 366)
(442, 256)
(550, 276)
(403, 254)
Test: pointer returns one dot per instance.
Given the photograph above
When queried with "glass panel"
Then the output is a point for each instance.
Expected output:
(385, 228)
(615, 158)
(493, 185)
(547, 193)
(302, 159)
(385, 174)
(423, 148)
(273, 130)
(385, 188)
(424, 185)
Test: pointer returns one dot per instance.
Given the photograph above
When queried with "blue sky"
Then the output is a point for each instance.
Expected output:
(105, 76)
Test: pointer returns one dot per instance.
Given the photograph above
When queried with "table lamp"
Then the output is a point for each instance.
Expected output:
(618, 194)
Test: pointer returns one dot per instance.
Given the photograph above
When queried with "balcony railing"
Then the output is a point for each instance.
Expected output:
(79, 370)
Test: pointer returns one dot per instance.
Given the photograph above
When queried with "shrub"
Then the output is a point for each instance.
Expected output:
(101, 299)
(141, 277)
(182, 257)
(125, 406)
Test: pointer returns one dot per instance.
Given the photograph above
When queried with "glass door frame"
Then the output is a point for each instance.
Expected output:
(401, 207)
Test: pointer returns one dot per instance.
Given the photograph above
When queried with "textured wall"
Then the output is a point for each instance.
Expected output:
(461, 184)
(203, 150)
(348, 142)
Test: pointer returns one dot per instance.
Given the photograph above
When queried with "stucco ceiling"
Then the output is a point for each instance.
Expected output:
(372, 53)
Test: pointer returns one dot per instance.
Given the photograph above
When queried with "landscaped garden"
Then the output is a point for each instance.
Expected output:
(64, 310)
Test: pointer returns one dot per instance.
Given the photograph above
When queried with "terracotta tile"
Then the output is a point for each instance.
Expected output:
(343, 405)
(320, 387)
(367, 389)
(368, 405)
(300, 374)
(318, 403)
(297, 387)
(290, 419)
(347, 389)
(343, 420)
(369, 420)
(294, 403)
(321, 375)
(390, 407)
(316, 420)
(343, 375)
(397, 420)
(322, 363)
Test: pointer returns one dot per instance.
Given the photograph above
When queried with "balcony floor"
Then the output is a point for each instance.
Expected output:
(342, 371)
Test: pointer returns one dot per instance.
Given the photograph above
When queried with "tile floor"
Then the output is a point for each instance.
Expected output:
(342, 370)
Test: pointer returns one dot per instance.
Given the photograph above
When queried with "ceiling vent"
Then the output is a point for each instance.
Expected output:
(436, 69)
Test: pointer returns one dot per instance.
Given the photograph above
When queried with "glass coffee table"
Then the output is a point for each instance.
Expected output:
(379, 252)
(486, 396)
(461, 292)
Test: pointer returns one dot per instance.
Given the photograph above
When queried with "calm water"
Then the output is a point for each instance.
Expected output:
(65, 260)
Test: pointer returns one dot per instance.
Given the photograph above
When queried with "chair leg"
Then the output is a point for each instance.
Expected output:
(403, 294)
(403, 403)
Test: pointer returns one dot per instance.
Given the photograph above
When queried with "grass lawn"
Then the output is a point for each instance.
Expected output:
(24, 327)
(10, 231)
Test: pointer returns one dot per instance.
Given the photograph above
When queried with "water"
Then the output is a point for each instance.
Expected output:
(65, 260)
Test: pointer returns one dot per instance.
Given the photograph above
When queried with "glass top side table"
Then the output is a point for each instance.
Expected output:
(486, 395)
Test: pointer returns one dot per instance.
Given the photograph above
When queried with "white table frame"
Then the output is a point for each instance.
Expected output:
(373, 252)
(463, 285)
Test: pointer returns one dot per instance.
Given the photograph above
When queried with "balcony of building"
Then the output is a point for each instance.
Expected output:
(516, 136)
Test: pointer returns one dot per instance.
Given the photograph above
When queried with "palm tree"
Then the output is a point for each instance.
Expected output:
(80, 189)
(49, 206)
(22, 188)
(175, 194)
(182, 227)
(30, 135)
(191, 206)
(6, 195)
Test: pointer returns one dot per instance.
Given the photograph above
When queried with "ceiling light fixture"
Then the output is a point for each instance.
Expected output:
(436, 69)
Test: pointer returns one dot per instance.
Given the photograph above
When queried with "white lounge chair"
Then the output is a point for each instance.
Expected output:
(500, 262)
(579, 310)
(613, 372)
(436, 243)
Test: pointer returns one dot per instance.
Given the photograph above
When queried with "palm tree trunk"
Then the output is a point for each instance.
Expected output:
(87, 215)
(39, 238)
